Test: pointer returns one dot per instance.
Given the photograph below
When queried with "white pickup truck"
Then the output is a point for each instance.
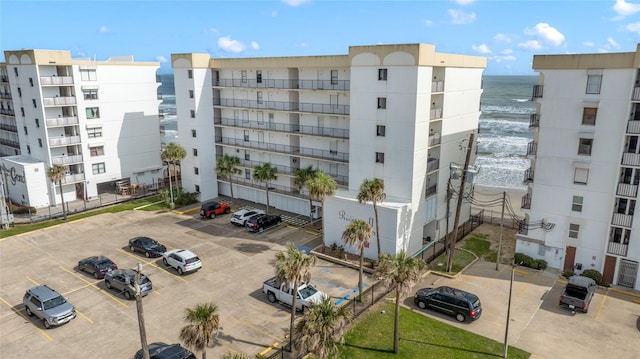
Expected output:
(307, 293)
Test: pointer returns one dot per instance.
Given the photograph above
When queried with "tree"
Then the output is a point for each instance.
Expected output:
(320, 186)
(322, 328)
(226, 167)
(203, 323)
(56, 174)
(265, 173)
(173, 153)
(292, 267)
(372, 190)
(357, 234)
(399, 272)
(302, 177)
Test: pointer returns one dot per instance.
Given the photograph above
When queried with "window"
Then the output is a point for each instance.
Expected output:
(19, 92)
(259, 96)
(197, 188)
(33, 101)
(589, 115)
(98, 168)
(247, 155)
(574, 229)
(334, 77)
(580, 176)
(246, 135)
(96, 151)
(22, 111)
(37, 123)
(94, 132)
(196, 171)
(25, 130)
(247, 173)
(243, 74)
(193, 133)
(190, 93)
(259, 76)
(593, 84)
(31, 81)
(621, 236)
(333, 101)
(40, 142)
(15, 71)
(585, 146)
(90, 94)
(190, 74)
(380, 130)
(260, 117)
(379, 157)
(195, 152)
(193, 113)
(93, 112)
(382, 102)
(28, 149)
(382, 74)
(88, 75)
(576, 206)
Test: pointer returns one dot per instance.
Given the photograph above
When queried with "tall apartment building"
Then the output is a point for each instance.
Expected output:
(585, 155)
(97, 118)
(400, 113)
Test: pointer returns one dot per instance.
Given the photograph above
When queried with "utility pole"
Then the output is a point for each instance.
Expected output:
(504, 199)
(448, 233)
(143, 333)
(452, 242)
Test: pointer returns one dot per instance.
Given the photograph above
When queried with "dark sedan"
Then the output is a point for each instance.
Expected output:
(150, 247)
(166, 351)
(96, 265)
(260, 223)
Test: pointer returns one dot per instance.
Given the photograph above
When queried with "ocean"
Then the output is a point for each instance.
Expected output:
(503, 129)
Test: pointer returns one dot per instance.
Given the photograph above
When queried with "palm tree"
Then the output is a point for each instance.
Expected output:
(399, 272)
(322, 327)
(302, 177)
(226, 167)
(173, 153)
(292, 267)
(56, 174)
(320, 186)
(203, 323)
(357, 234)
(372, 190)
(265, 173)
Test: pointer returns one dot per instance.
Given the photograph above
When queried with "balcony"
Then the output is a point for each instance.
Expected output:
(283, 127)
(435, 114)
(627, 190)
(286, 84)
(534, 120)
(59, 101)
(619, 249)
(434, 139)
(8, 112)
(537, 91)
(528, 175)
(430, 191)
(633, 127)
(532, 148)
(284, 106)
(523, 227)
(437, 86)
(433, 164)
(631, 159)
(10, 143)
(5, 95)
(56, 80)
(273, 188)
(62, 121)
(4, 78)
(73, 178)
(622, 219)
(8, 127)
(526, 202)
(635, 96)
(64, 141)
(286, 149)
(66, 160)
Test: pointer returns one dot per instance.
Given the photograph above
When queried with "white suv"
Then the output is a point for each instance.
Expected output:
(240, 217)
(183, 260)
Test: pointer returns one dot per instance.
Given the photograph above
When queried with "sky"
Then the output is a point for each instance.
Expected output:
(507, 32)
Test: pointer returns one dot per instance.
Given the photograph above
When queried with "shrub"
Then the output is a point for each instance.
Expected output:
(523, 260)
(568, 274)
(24, 210)
(593, 274)
(540, 264)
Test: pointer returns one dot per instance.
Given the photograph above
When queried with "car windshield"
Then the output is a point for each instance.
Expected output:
(104, 264)
(52, 303)
(149, 243)
(308, 291)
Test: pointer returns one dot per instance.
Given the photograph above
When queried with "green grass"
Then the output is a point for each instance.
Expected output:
(477, 244)
(124, 206)
(420, 337)
(461, 259)
(480, 247)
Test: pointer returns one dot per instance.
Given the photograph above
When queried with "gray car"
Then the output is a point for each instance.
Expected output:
(123, 280)
(48, 305)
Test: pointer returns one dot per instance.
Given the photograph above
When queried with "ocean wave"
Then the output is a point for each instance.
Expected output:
(510, 109)
(520, 99)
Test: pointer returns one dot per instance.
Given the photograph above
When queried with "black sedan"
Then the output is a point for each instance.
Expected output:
(150, 247)
(96, 265)
(166, 351)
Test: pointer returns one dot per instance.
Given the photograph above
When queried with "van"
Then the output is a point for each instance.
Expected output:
(455, 302)
(48, 305)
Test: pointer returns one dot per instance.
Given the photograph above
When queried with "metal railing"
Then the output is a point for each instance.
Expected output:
(532, 148)
(65, 160)
(284, 106)
(627, 190)
(631, 159)
(534, 120)
(635, 96)
(56, 80)
(528, 175)
(59, 101)
(284, 127)
(633, 126)
(62, 121)
(287, 149)
(285, 84)
(435, 114)
(434, 139)
(526, 202)
(64, 140)
(619, 249)
(433, 164)
(8, 112)
(537, 91)
(622, 219)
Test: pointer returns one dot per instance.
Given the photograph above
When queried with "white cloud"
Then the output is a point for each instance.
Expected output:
(547, 33)
(530, 45)
(461, 18)
(211, 31)
(464, 2)
(295, 3)
(255, 45)
(502, 38)
(103, 29)
(427, 22)
(507, 52)
(229, 45)
(483, 49)
(611, 43)
(161, 59)
(633, 27)
(623, 9)
(503, 58)
(274, 13)
(588, 44)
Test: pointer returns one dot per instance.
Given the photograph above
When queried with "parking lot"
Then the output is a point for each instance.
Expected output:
(537, 324)
(235, 263)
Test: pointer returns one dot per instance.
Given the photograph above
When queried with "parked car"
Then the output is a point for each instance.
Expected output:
(48, 305)
(166, 351)
(278, 292)
(578, 292)
(260, 223)
(183, 260)
(124, 279)
(96, 265)
(212, 209)
(241, 216)
(458, 303)
(150, 247)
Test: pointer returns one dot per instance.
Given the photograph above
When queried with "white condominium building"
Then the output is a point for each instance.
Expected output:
(97, 118)
(585, 165)
(398, 113)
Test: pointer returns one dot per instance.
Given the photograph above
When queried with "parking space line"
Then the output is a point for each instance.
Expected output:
(521, 272)
(490, 281)
(145, 262)
(84, 316)
(90, 284)
(32, 281)
(267, 350)
(27, 319)
(258, 329)
(601, 306)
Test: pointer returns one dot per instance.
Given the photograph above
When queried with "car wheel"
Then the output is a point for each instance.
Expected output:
(28, 311)
(227, 210)
(96, 275)
(147, 254)
(422, 304)
(46, 324)
(132, 248)
(271, 297)
(179, 270)
(164, 260)
(460, 317)
(212, 215)
(107, 284)
(127, 294)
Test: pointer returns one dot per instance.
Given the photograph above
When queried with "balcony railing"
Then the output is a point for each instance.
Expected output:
(10, 143)
(617, 249)
(528, 175)
(532, 148)
(4, 78)
(56, 80)
(64, 140)
(5, 95)
(526, 202)
(286, 149)
(284, 127)
(8, 112)
(286, 84)
(62, 121)
(537, 91)
(631, 159)
(59, 101)
(523, 227)
(622, 219)
(627, 190)
(534, 120)
(635, 96)
(435, 114)
(433, 164)
(633, 126)
(430, 191)
(72, 178)
(434, 139)
(8, 127)
(284, 106)
(437, 86)
(273, 188)
(66, 160)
